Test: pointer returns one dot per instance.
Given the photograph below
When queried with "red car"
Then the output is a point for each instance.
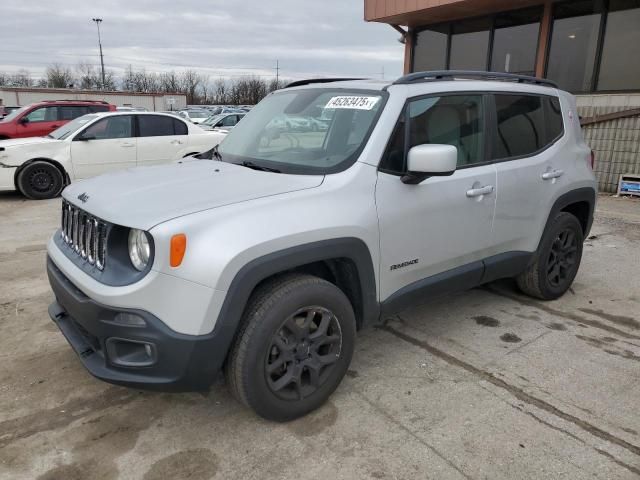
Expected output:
(41, 118)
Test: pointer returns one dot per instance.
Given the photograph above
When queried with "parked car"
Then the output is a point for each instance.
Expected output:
(225, 121)
(40, 167)
(195, 116)
(131, 109)
(266, 261)
(5, 110)
(42, 118)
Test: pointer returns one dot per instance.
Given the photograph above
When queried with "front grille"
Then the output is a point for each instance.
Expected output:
(85, 234)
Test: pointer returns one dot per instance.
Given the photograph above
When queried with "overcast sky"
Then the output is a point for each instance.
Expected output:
(216, 37)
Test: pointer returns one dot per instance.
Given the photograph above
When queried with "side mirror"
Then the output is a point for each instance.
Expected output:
(426, 161)
(83, 137)
(24, 119)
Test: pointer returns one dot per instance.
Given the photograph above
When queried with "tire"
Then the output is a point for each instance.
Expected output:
(40, 180)
(297, 331)
(557, 260)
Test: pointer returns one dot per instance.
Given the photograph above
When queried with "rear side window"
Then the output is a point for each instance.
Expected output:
(71, 112)
(156, 126)
(526, 124)
(180, 127)
(98, 108)
(520, 126)
(553, 119)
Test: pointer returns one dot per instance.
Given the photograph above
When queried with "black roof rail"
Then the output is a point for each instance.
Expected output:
(438, 75)
(311, 81)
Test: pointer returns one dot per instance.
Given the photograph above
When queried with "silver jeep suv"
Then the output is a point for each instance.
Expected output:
(266, 258)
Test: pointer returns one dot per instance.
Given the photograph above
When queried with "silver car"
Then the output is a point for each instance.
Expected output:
(265, 256)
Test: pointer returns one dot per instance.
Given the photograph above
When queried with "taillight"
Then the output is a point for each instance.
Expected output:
(593, 159)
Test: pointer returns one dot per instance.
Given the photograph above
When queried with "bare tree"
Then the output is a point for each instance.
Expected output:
(220, 92)
(87, 76)
(169, 82)
(22, 78)
(190, 83)
(59, 76)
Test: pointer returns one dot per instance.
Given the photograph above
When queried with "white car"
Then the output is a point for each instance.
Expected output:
(195, 116)
(40, 167)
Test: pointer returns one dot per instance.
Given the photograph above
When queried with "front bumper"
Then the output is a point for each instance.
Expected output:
(176, 361)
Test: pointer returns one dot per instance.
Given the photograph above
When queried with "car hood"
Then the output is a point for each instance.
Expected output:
(146, 196)
(19, 142)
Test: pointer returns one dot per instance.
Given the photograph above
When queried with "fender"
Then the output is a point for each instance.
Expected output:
(585, 194)
(55, 163)
(251, 274)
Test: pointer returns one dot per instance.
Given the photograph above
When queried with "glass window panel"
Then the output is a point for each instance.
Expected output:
(452, 120)
(574, 42)
(515, 42)
(430, 52)
(521, 126)
(620, 66)
(470, 45)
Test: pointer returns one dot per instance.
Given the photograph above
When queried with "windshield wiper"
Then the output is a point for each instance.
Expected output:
(262, 168)
(209, 154)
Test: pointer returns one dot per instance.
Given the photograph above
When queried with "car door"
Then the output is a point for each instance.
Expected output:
(161, 139)
(106, 145)
(530, 178)
(441, 228)
(39, 122)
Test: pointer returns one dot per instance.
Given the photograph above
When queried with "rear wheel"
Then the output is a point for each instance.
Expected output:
(40, 180)
(294, 347)
(557, 260)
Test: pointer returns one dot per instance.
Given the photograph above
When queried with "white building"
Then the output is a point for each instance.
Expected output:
(17, 96)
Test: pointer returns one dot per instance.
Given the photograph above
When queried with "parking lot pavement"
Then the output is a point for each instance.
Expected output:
(484, 384)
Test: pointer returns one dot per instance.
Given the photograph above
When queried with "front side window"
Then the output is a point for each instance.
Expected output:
(119, 126)
(620, 67)
(43, 114)
(283, 131)
(520, 127)
(456, 120)
(229, 120)
(574, 42)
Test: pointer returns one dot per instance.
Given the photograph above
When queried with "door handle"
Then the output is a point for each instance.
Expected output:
(127, 145)
(478, 192)
(176, 142)
(552, 175)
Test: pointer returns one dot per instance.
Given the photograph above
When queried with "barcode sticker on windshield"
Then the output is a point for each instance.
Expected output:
(353, 102)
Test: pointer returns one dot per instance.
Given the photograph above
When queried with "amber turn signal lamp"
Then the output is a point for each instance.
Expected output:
(178, 247)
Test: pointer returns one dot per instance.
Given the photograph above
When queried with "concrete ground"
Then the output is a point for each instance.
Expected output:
(487, 384)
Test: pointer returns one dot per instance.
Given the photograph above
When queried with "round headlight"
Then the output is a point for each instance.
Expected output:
(139, 249)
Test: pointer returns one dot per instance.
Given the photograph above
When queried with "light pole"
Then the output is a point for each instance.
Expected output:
(98, 21)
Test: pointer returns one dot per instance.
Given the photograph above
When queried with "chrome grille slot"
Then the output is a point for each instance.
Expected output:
(85, 234)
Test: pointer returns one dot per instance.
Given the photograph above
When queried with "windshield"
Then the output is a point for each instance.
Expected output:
(213, 119)
(71, 127)
(310, 131)
(14, 114)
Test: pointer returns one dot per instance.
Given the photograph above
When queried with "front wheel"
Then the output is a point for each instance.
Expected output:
(557, 260)
(294, 347)
(40, 180)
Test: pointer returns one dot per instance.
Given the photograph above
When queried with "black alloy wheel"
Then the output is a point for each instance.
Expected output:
(562, 258)
(303, 353)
